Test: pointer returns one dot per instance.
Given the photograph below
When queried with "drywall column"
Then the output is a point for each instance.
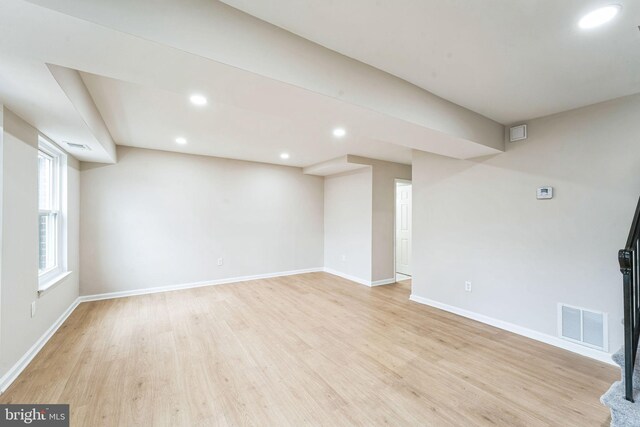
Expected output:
(348, 217)
(360, 221)
(384, 208)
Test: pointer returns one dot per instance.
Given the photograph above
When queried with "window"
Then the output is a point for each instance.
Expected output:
(51, 219)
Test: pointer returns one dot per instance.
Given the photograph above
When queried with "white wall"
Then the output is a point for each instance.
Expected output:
(19, 273)
(479, 220)
(157, 218)
(348, 223)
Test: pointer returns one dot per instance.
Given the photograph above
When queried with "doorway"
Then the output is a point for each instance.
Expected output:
(403, 230)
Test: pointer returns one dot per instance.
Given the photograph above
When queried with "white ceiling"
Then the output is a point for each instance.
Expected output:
(140, 67)
(269, 90)
(272, 92)
(507, 60)
(243, 122)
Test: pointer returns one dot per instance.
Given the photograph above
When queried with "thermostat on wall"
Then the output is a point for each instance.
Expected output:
(545, 193)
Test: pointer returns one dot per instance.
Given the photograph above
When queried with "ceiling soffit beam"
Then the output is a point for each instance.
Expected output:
(343, 164)
(332, 167)
(219, 32)
(73, 86)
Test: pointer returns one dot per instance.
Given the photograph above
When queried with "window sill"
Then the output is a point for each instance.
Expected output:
(51, 283)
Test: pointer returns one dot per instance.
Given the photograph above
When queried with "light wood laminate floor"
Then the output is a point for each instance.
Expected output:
(311, 349)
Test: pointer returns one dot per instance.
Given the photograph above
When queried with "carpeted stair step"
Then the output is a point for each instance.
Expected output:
(618, 357)
(623, 412)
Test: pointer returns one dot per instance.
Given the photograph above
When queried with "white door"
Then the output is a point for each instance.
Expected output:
(403, 228)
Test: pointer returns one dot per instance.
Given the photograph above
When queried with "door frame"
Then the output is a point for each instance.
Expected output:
(395, 219)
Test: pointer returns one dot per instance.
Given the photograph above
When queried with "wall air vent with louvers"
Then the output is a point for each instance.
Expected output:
(518, 133)
(583, 326)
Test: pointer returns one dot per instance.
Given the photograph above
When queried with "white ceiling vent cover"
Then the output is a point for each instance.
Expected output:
(78, 146)
(583, 326)
(518, 133)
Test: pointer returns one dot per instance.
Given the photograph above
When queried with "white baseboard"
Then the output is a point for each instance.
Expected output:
(153, 290)
(347, 276)
(359, 280)
(383, 282)
(520, 330)
(16, 369)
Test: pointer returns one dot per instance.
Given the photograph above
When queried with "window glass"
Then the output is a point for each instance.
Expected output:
(50, 168)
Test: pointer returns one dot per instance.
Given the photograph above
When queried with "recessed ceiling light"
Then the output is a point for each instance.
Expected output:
(284, 156)
(181, 140)
(198, 99)
(599, 16)
(339, 132)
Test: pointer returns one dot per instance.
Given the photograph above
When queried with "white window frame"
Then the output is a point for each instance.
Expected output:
(49, 278)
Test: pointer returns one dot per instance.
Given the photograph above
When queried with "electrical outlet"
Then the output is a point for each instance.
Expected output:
(220, 261)
(344, 257)
(33, 309)
(467, 286)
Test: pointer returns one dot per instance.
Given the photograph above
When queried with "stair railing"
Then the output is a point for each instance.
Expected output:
(629, 258)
